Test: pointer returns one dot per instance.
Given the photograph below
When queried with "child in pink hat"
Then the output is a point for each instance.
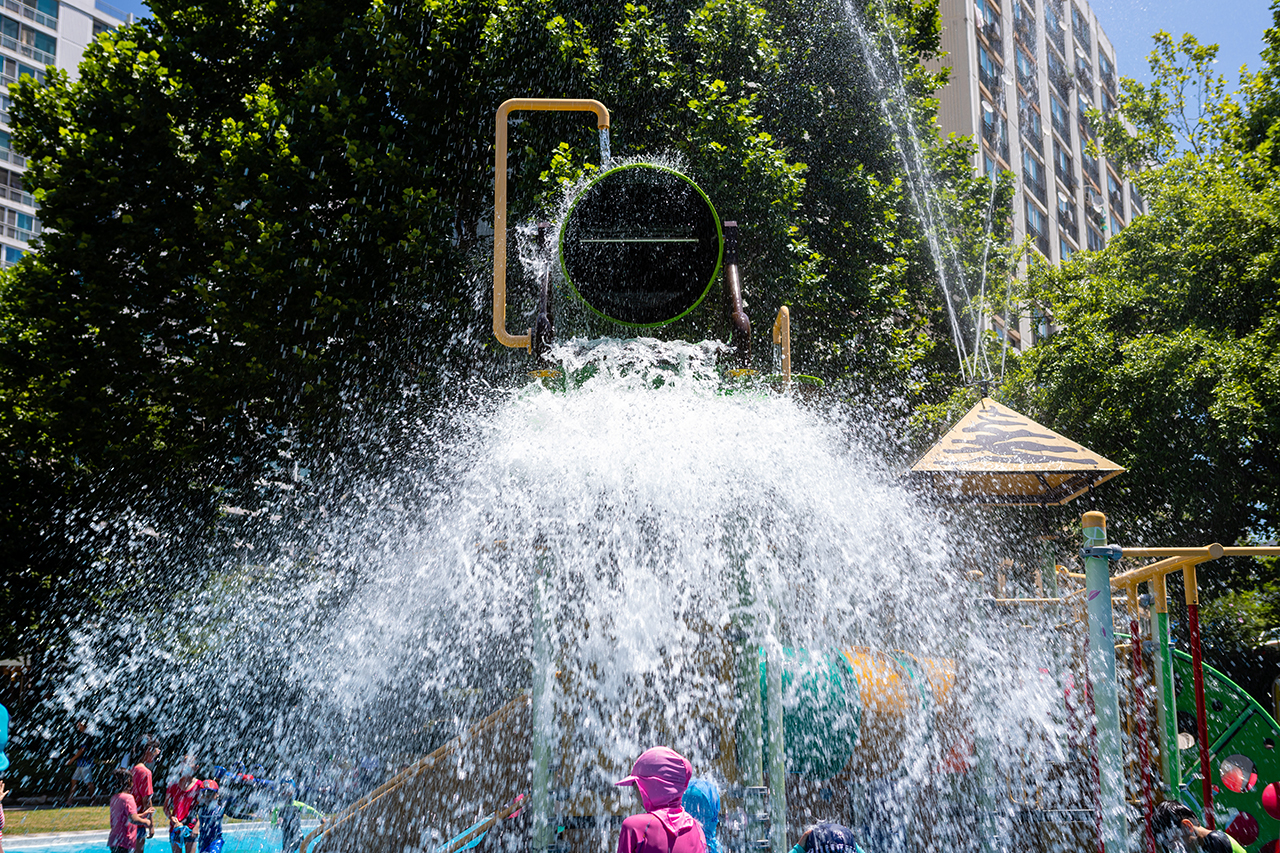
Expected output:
(661, 776)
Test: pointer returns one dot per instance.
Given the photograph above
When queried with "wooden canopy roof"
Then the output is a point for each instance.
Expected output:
(996, 456)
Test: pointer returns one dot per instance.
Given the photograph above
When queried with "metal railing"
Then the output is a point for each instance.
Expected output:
(32, 14)
(27, 50)
(1037, 187)
(108, 9)
(989, 79)
(15, 233)
(21, 196)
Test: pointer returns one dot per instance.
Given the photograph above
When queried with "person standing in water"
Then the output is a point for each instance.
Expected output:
(661, 775)
(142, 786)
(702, 800)
(180, 808)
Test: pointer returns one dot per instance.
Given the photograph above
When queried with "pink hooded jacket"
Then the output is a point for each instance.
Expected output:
(661, 775)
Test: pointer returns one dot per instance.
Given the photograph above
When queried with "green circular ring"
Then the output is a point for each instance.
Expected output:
(715, 273)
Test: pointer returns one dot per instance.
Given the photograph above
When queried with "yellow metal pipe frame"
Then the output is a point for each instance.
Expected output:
(782, 338)
(1177, 559)
(505, 338)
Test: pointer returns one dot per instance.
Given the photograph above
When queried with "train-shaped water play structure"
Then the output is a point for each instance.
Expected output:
(802, 734)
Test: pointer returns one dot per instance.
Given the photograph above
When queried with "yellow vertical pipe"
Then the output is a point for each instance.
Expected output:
(500, 200)
(782, 338)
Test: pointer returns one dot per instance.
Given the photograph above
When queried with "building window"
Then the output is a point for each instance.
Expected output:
(1063, 166)
(1031, 124)
(16, 70)
(11, 188)
(1095, 239)
(1059, 117)
(1058, 76)
(1083, 103)
(1117, 224)
(19, 225)
(1024, 23)
(1107, 71)
(1033, 174)
(1037, 227)
(1088, 163)
(100, 27)
(12, 255)
(28, 41)
(1066, 213)
(988, 163)
(1054, 29)
(1026, 68)
(1065, 250)
(988, 20)
(1135, 198)
(988, 70)
(994, 130)
(1081, 28)
(1084, 71)
(7, 154)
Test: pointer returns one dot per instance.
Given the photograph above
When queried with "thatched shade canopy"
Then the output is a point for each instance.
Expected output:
(998, 457)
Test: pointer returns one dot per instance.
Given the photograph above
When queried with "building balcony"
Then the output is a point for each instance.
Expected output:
(1024, 27)
(1035, 187)
(27, 50)
(1090, 168)
(991, 31)
(990, 80)
(1062, 83)
(50, 21)
(1056, 37)
(1084, 78)
(1034, 141)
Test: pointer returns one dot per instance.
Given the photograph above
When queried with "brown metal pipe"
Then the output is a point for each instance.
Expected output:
(738, 319)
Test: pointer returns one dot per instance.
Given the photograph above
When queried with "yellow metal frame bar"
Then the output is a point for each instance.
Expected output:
(500, 200)
(782, 338)
(1181, 560)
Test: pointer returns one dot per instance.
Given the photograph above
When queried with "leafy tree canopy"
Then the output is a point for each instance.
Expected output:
(265, 244)
(1166, 357)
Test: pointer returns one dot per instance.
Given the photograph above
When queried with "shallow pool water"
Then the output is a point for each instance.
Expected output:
(251, 838)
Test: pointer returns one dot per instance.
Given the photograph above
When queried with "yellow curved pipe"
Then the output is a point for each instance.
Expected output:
(500, 200)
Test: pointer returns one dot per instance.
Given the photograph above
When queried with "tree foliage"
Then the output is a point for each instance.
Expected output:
(1167, 354)
(265, 245)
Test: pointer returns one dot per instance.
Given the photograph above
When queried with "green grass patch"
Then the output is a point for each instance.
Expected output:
(30, 821)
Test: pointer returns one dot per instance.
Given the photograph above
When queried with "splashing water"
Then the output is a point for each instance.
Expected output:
(620, 542)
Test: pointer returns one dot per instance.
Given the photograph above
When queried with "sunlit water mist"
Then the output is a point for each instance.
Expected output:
(607, 542)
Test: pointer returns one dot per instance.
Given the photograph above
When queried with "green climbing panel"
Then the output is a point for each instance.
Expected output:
(1244, 750)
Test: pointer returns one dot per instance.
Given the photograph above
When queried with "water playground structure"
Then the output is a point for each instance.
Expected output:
(1052, 721)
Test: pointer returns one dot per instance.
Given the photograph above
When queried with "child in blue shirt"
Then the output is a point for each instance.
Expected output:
(211, 808)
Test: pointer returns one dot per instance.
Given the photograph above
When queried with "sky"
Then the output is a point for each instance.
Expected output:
(1235, 25)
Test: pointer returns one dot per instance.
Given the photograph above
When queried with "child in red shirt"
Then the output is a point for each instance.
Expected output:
(125, 817)
(180, 808)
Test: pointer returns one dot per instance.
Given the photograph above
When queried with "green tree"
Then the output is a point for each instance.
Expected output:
(264, 245)
(1167, 354)
(259, 221)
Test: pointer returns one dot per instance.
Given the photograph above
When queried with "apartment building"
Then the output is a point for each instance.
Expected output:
(35, 34)
(1024, 74)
